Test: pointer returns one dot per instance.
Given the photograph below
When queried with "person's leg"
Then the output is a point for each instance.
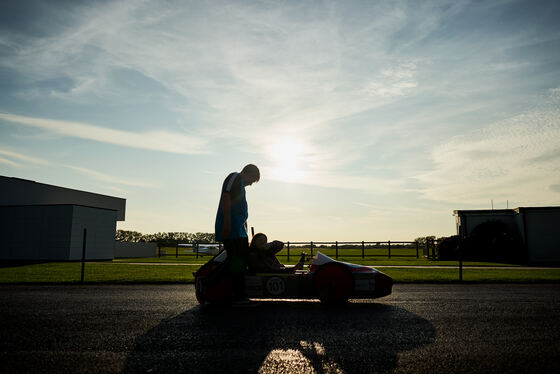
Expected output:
(301, 263)
(237, 250)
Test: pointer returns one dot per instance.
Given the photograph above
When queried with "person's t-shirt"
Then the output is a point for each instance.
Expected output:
(234, 184)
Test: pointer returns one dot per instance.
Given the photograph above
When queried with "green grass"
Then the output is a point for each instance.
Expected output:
(70, 272)
(403, 275)
(354, 255)
(165, 259)
(121, 272)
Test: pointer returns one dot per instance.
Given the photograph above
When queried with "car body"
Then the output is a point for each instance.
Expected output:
(326, 279)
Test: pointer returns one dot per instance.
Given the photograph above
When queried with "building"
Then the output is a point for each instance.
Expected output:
(44, 222)
(537, 227)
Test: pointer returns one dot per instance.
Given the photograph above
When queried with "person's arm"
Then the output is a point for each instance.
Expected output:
(226, 210)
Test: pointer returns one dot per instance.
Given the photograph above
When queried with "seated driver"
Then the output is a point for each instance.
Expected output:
(262, 256)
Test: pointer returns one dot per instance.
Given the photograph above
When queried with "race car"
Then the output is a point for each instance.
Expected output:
(331, 281)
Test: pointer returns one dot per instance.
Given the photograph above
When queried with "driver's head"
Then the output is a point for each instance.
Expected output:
(259, 241)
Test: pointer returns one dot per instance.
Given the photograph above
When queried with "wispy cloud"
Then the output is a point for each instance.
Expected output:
(10, 163)
(339, 180)
(26, 161)
(161, 141)
(103, 177)
(396, 81)
(499, 160)
(21, 157)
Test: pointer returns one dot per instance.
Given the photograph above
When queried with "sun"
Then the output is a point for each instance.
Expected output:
(287, 155)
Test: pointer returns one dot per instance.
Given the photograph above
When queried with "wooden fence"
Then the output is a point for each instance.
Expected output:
(336, 249)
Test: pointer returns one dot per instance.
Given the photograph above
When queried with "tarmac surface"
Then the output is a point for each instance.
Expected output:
(455, 328)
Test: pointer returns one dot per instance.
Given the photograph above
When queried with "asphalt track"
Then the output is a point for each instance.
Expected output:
(472, 328)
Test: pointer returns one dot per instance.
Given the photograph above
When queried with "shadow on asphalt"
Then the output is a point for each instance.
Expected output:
(281, 336)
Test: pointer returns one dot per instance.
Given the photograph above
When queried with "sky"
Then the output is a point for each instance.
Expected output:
(369, 120)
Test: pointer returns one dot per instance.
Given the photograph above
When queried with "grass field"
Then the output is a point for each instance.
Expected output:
(106, 272)
(372, 257)
(171, 270)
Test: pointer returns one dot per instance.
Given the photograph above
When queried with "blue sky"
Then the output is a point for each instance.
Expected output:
(369, 120)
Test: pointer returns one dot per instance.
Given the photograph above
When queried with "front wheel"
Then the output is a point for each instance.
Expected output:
(333, 283)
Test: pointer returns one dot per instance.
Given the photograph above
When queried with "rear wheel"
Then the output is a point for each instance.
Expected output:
(333, 283)
(213, 284)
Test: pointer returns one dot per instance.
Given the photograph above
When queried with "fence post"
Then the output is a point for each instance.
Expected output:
(311, 248)
(416, 248)
(195, 247)
(288, 251)
(363, 248)
(177, 249)
(460, 261)
(389, 248)
(83, 256)
(336, 247)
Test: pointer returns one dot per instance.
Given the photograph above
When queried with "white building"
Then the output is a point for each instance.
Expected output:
(538, 228)
(44, 222)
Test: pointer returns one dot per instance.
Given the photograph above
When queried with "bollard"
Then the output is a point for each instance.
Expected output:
(389, 248)
(363, 248)
(336, 246)
(311, 249)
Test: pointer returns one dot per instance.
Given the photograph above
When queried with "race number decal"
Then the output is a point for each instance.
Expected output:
(275, 286)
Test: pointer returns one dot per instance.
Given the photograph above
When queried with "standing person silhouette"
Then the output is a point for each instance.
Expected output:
(231, 226)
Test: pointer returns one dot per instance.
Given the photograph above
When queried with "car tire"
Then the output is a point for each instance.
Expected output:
(213, 284)
(333, 283)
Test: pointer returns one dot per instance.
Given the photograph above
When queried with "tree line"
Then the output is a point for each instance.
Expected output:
(205, 237)
(164, 237)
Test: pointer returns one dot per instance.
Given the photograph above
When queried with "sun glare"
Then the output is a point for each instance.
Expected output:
(287, 157)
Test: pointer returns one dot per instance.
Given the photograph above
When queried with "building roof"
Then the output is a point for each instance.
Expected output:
(22, 192)
(506, 211)
(535, 208)
(484, 211)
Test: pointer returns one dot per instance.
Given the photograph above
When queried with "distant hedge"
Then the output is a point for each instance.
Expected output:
(164, 237)
(447, 248)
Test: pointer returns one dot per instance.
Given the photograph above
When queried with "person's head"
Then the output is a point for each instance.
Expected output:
(251, 174)
(259, 241)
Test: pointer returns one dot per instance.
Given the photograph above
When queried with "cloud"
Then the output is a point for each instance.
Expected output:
(161, 141)
(25, 160)
(103, 177)
(515, 159)
(339, 180)
(21, 157)
(392, 82)
(10, 163)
